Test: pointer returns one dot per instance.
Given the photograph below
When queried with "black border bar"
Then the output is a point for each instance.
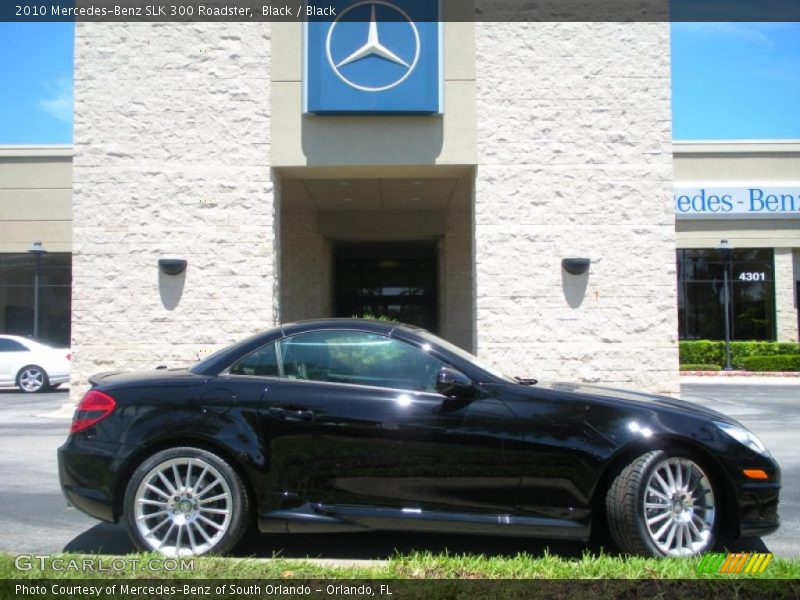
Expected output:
(113, 588)
(159, 11)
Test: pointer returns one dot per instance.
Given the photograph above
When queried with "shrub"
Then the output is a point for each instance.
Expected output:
(708, 352)
(775, 362)
(703, 352)
(691, 367)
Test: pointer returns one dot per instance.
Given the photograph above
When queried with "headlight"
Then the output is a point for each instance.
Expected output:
(744, 436)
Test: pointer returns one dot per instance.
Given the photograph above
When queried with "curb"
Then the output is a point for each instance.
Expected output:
(65, 412)
(740, 373)
(733, 379)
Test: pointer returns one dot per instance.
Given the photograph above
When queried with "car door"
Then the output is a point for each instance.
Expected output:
(12, 356)
(355, 420)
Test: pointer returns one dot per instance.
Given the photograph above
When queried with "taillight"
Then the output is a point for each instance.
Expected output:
(69, 355)
(93, 408)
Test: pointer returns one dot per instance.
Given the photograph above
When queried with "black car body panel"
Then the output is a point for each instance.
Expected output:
(513, 459)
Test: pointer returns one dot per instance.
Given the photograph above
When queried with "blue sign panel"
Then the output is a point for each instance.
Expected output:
(375, 56)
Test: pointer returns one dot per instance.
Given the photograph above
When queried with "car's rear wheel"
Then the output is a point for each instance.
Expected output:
(662, 504)
(186, 502)
(32, 379)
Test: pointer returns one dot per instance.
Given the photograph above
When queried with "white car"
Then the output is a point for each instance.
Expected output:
(32, 366)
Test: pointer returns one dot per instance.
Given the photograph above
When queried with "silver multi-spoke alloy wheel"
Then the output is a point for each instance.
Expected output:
(183, 507)
(663, 504)
(32, 379)
(679, 508)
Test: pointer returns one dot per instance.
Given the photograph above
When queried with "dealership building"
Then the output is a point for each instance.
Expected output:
(449, 175)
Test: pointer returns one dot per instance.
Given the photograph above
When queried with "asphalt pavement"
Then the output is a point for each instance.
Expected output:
(34, 517)
(772, 412)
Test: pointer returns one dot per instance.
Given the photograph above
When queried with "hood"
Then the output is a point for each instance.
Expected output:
(637, 398)
(156, 377)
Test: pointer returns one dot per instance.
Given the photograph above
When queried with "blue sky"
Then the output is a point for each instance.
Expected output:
(729, 81)
(36, 83)
(735, 80)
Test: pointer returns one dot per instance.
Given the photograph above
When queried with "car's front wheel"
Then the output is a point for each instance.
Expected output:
(32, 379)
(186, 502)
(662, 504)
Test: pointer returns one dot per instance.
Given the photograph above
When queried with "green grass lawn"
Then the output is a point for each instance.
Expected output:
(422, 565)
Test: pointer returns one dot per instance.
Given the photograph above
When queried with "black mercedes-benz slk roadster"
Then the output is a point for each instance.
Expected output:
(353, 425)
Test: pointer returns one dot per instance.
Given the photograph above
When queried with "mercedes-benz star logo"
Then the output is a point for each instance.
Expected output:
(373, 48)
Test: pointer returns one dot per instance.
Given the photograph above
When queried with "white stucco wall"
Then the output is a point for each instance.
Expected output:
(171, 141)
(574, 130)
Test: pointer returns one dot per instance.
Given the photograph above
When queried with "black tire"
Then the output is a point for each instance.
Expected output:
(201, 476)
(32, 379)
(638, 483)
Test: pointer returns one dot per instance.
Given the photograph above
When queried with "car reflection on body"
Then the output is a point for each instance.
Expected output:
(353, 425)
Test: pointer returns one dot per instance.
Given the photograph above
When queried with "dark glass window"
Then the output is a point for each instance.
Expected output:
(701, 294)
(358, 358)
(391, 280)
(17, 273)
(263, 362)
(12, 346)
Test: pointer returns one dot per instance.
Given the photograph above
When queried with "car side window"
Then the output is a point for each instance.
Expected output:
(261, 363)
(360, 358)
(11, 346)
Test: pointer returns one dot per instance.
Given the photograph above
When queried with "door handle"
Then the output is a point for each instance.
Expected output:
(291, 415)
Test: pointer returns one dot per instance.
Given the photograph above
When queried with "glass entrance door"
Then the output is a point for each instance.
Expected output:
(395, 280)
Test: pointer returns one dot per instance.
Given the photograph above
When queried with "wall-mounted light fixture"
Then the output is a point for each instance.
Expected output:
(172, 266)
(576, 266)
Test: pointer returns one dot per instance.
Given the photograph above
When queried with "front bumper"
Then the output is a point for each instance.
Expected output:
(758, 508)
(757, 499)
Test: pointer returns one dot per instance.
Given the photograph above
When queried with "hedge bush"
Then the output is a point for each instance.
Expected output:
(707, 352)
(700, 368)
(776, 362)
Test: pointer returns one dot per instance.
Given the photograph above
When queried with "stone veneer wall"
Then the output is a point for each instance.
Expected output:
(456, 282)
(574, 143)
(306, 264)
(172, 136)
(785, 301)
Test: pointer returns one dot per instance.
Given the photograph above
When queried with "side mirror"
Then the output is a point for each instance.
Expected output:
(453, 384)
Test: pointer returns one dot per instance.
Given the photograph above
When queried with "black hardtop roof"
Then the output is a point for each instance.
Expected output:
(376, 325)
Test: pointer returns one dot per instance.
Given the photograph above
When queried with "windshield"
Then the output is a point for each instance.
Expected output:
(460, 352)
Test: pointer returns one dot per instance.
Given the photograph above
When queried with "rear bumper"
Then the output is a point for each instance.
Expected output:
(85, 481)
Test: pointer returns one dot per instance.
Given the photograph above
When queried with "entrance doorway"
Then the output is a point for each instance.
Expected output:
(396, 280)
(399, 247)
